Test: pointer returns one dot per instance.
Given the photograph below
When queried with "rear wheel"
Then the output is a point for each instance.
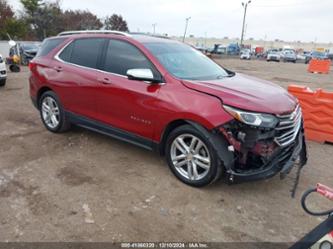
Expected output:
(191, 157)
(52, 113)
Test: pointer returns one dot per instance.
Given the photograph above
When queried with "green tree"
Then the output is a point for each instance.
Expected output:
(44, 18)
(116, 22)
(31, 6)
(9, 24)
(16, 28)
(48, 20)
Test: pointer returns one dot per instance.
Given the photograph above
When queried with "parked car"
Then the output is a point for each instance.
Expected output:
(219, 49)
(316, 55)
(233, 49)
(27, 51)
(259, 50)
(330, 53)
(201, 49)
(289, 56)
(300, 56)
(245, 55)
(273, 55)
(330, 56)
(166, 96)
(3, 71)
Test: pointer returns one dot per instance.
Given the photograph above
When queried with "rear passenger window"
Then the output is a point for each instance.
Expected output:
(122, 56)
(48, 45)
(83, 52)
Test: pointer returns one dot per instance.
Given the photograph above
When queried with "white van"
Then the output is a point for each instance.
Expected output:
(3, 71)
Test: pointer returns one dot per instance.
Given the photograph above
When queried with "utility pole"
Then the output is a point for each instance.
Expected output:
(186, 24)
(245, 9)
(154, 28)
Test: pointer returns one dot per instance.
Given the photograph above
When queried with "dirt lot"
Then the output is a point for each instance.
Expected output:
(82, 186)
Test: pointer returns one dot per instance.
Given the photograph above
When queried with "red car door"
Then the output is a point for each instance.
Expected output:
(74, 75)
(130, 105)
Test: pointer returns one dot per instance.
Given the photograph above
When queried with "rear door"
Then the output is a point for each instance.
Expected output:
(127, 104)
(75, 75)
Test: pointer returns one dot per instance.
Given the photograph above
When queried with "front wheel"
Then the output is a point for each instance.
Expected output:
(191, 157)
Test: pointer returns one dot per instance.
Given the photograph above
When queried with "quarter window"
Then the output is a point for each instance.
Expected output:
(48, 45)
(122, 56)
(67, 53)
(83, 52)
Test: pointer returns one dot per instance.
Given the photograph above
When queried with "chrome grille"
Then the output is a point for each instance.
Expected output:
(288, 127)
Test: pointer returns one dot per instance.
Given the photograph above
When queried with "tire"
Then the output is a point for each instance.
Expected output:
(14, 68)
(56, 120)
(2, 82)
(185, 172)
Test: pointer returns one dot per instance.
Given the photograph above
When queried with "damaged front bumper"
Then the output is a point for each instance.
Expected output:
(252, 154)
(283, 162)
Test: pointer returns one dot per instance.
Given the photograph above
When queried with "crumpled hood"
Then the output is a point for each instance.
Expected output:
(247, 93)
(31, 51)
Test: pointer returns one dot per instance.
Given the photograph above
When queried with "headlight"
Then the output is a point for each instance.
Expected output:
(252, 118)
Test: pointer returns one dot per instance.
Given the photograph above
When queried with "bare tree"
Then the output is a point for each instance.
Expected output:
(80, 20)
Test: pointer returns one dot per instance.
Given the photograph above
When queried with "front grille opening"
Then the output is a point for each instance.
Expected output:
(288, 127)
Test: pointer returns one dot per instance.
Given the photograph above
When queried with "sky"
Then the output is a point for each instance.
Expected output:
(289, 20)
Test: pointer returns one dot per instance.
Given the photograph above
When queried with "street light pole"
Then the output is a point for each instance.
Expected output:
(154, 28)
(187, 19)
(245, 9)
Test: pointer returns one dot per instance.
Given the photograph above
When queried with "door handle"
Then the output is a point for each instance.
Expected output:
(105, 80)
(58, 68)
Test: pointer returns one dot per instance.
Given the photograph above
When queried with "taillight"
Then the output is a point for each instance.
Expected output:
(32, 66)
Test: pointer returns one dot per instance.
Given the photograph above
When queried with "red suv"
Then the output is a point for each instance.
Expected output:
(166, 96)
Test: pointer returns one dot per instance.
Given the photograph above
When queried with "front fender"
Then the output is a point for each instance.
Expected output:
(219, 144)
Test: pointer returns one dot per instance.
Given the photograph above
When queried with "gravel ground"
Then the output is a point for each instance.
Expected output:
(82, 186)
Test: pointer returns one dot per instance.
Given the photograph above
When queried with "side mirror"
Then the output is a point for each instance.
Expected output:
(143, 74)
(12, 43)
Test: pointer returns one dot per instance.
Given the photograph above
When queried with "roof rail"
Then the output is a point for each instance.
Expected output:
(77, 32)
(151, 35)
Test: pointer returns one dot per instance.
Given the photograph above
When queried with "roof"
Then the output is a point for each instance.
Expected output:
(79, 32)
(140, 37)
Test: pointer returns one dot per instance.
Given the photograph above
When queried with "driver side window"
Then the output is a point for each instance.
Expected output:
(121, 56)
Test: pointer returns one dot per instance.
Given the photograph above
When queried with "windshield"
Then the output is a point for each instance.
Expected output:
(289, 52)
(29, 46)
(185, 62)
(318, 54)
